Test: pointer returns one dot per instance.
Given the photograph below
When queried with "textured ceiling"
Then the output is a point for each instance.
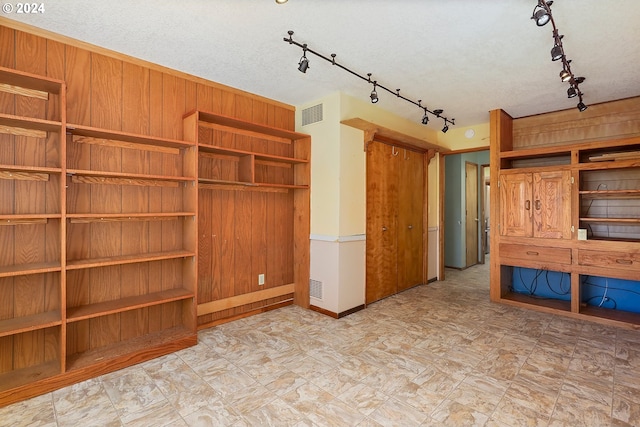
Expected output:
(464, 56)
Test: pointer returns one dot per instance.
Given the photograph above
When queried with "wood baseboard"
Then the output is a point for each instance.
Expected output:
(337, 315)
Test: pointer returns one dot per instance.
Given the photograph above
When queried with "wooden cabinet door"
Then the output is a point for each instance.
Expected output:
(551, 204)
(410, 219)
(516, 211)
(382, 202)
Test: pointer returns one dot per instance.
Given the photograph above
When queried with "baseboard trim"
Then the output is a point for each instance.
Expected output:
(337, 315)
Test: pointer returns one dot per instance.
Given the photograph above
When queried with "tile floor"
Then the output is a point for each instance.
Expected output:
(436, 355)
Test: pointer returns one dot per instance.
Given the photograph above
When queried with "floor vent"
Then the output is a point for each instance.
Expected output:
(315, 289)
(312, 115)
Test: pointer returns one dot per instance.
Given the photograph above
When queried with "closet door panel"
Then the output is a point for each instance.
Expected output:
(410, 223)
(382, 202)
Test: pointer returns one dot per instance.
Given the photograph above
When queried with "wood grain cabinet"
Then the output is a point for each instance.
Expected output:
(32, 228)
(536, 204)
(568, 206)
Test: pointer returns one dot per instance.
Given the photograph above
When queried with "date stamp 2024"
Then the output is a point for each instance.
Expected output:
(23, 8)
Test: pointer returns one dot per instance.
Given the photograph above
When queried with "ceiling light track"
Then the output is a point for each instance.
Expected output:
(542, 15)
(303, 66)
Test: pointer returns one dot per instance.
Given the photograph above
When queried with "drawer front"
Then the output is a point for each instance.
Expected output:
(622, 260)
(535, 253)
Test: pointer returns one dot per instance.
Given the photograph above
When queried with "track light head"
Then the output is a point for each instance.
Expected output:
(281, 1)
(541, 14)
(565, 76)
(571, 92)
(445, 128)
(437, 112)
(581, 106)
(425, 119)
(556, 53)
(303, 65)
(579, 80)
(374, 94)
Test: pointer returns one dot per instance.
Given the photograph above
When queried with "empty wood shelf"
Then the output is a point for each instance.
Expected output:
(129, 352)
(117, 217)
(33, 322)
(25, 376)
(89, 311)
(124, 139)
(34, 268)
(126, 259)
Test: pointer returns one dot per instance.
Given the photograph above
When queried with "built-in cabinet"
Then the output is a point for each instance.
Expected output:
(535, 204)
(568, 206)
(395, 220)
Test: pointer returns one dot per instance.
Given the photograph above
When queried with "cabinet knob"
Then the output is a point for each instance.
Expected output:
(384, 228)
(410, 227)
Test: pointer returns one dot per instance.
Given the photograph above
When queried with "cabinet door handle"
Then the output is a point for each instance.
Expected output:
(624, 261)
(532, 253)
(527, 204)
(384, 228)
(410, 227)
(537, 205)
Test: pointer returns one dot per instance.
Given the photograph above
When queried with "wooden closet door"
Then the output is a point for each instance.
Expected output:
(382, 200)
(410, 219)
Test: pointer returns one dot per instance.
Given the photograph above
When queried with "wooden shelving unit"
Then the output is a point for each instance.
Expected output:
(262, 175)
(599, 194)
(98, 229)
(32, 163)
(135, 195)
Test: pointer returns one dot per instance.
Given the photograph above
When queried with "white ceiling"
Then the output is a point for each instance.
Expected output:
(464, 56)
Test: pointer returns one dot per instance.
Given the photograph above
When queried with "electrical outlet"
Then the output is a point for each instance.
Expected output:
(260, 279)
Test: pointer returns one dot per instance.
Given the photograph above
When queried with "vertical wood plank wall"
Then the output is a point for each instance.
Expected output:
(237, 230)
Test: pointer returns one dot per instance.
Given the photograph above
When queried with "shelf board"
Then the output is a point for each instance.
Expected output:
(117, 136)
(33, 322)
(26, 269)
(554, 304)
(30, 169)
(123, 217)
(241, 153)
(131, 176)
(21, 377)
(610, 194)
(234, 125)
(27, 219)
(148, 344)
(30, 81)
(126, 259)
(626, 317)
(292, 186)
(75, 314)
(27, 126)
(611, 220)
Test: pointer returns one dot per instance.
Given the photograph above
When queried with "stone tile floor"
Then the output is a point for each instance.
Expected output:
(435, 355)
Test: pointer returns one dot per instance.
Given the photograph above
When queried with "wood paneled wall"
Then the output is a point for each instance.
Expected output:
(115, 92)
(610, 120)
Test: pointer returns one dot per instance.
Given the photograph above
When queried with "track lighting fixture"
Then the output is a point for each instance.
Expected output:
(303, 65)
(556, 53)
(542, 15)
(581, 106)
(374, 94)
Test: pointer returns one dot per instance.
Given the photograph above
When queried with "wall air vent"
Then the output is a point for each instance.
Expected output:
(312, 115)
(315, 289)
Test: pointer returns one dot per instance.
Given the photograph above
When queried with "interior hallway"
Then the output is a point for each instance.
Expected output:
(435, 355)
